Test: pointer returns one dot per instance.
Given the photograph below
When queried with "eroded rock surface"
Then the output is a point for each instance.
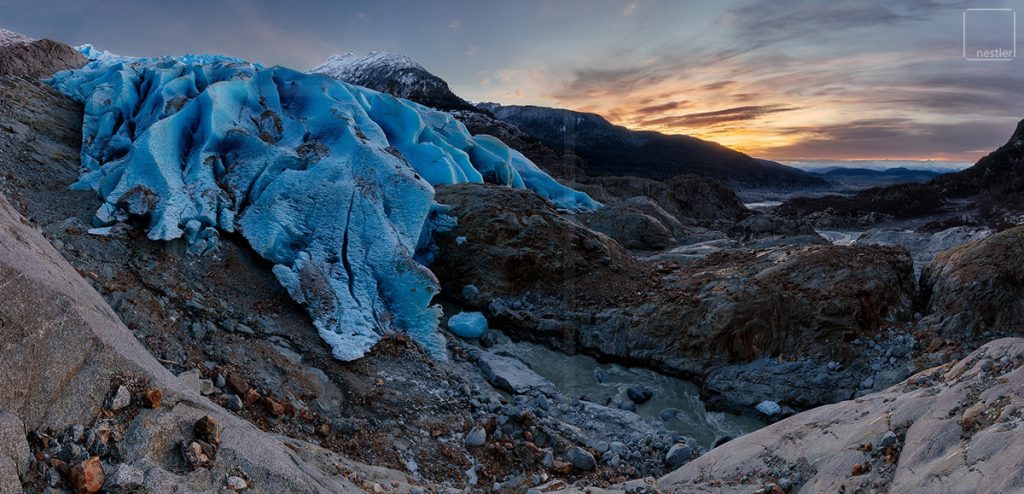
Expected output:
(954, 428)
(977, 287)
(546, 278)
(38, 59)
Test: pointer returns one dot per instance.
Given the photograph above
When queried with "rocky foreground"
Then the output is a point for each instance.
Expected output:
(954, 428)
(133, 366)
(71, 366)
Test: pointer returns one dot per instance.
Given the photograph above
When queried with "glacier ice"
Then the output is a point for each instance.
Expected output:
(330, 182)
(468, 324)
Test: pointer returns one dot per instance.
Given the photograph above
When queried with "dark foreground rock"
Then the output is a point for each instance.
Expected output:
(738, 306)
(649, 215)
(548, 279)
(509, 241)
(690, 198)
(637, 223)
(977, 288)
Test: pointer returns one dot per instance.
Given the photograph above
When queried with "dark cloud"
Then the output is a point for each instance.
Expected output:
(588, 82)
(663, 107)
(718, 85)
(706, 119)
(762, 22)
(973, 92)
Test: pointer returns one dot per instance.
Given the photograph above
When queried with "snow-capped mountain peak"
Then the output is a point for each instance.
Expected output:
(8, 37)
(345, 65)
(395, 74)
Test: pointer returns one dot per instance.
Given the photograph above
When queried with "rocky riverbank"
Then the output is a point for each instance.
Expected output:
(953, 428)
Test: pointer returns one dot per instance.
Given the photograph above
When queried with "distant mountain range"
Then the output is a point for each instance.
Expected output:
(863, 178)
(898, 173)
(566, 142)
(991, 193)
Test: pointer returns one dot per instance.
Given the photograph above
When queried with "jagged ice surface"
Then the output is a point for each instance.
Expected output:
(329, 181)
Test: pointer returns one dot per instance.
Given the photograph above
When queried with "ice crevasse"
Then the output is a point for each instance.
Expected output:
(329, 181)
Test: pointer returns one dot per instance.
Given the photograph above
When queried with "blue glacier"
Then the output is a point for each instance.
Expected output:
(330, 182)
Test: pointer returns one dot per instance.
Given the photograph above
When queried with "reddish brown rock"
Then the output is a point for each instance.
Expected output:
(273, 407)
(238, 384)
(152, 398)
(39, 59)
(195, 455)
(208, 430)
(87, 477)
(251, 397)
(560, 467)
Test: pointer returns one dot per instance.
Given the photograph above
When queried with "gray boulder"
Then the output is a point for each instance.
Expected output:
(678, 455)
(512, 375)
(581, 459)
(476, 437)
(630, 227)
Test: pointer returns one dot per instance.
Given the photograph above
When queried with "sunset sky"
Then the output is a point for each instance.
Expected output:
(783, 79)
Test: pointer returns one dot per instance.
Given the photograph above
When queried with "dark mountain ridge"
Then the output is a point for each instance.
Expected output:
(610, 149)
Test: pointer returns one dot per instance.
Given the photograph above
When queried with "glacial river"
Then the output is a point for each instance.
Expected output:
(574, 375)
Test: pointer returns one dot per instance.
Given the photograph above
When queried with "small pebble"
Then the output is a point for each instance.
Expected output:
(236, 483)
(122, 398)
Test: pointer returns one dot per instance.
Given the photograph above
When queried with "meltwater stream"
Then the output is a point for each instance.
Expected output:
(575, 376)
